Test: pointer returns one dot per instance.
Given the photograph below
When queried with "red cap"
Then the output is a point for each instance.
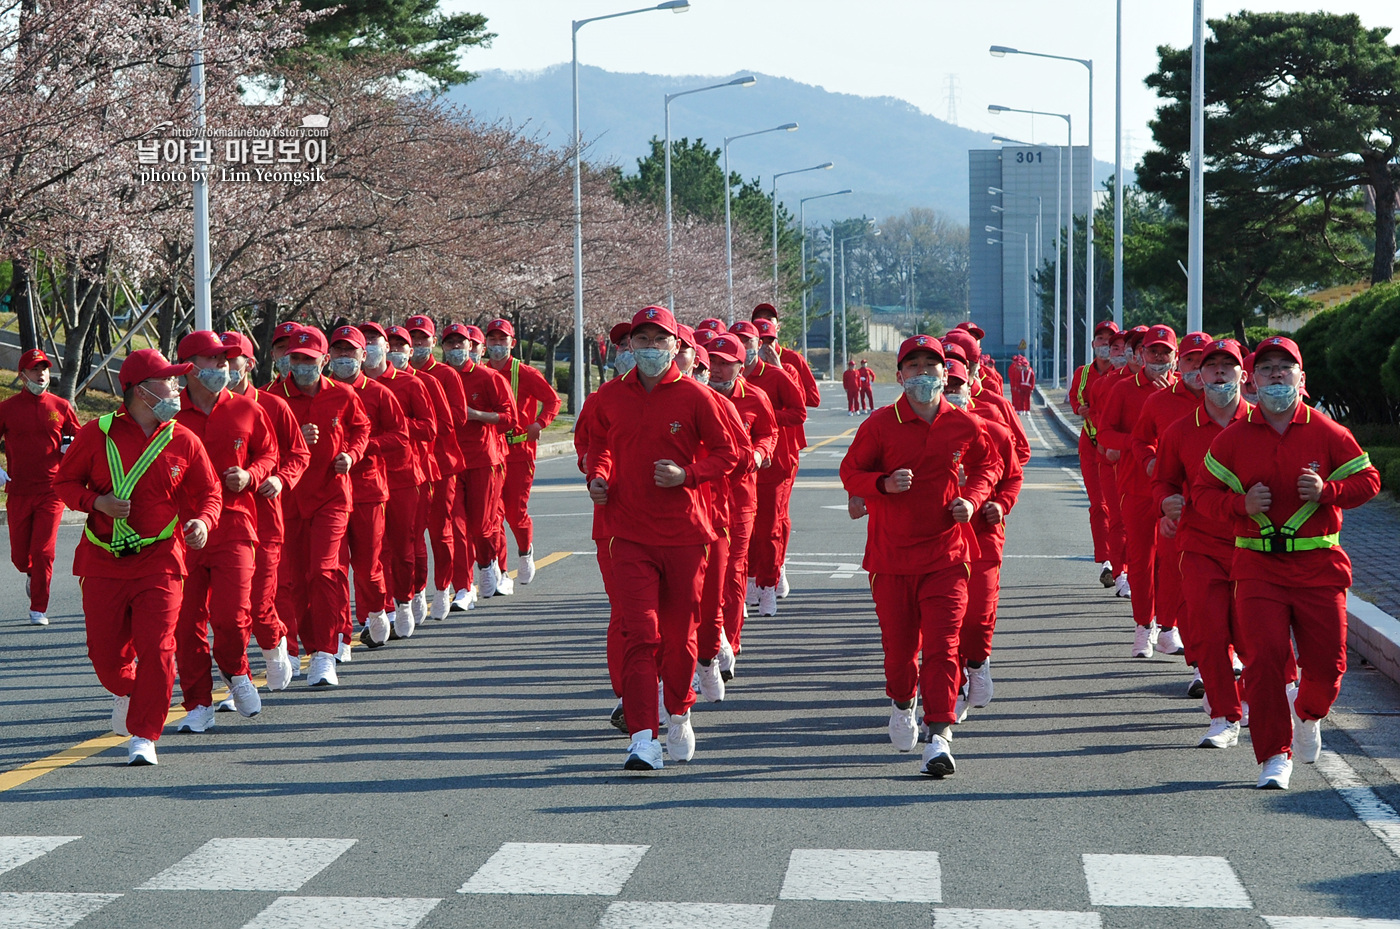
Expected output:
(725, 347)
(148, 364)
(1119, 335)
(703, 336)
(1279, 343)
(1228, 346)
(420, 324)
(711, 324)
(285, 330)
(762, 311)
(1160, 335)
(1106, 325)
(973, 328)
(655, 316)
(918, 343)
(351, 334)
(371, 329)
(455, 329)
(767, 329)
(1248, 363)
(619, 332)
(308, 341)
(200, 342)
(236, 343)
(702, 358)
(956, 369)
(988, 361)
(850, 362)
(744, 330)
(500, 325)
(966, 345)
(685, 334)
(1194, 342)
(397, 332)
(33, 358)
(476, 335)
(1136, 335)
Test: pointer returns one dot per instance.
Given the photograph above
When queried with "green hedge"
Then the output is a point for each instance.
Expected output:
(1390, 477)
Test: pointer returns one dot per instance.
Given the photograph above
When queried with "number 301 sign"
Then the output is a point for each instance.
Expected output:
(1029, 158)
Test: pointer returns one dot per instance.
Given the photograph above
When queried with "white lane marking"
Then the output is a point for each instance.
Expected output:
(685, 916)
(49, 911)
(1164, 880)
(1078, 478)
(1036, 429)
(16, 850)
(1377, 815)
(579, 488)
(544, 868)
(337, 912)
(250, 864)
(1329, 922)
(1014, 919)
(863, 875)
(837, 570)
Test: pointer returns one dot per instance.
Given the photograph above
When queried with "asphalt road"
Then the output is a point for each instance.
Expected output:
(468, 777)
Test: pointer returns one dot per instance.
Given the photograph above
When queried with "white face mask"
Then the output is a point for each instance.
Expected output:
(498, 352)
(624, 362)
(652, 362)
(1278, 398)
(923, 388)
(1222, 395)
(1192, 379)
(35, 387)
(1101, 352)
(1158, 370)
(398, 359)
(374, 356)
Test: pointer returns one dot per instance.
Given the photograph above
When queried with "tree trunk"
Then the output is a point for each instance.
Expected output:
(80, 341)
(1383, 182)
(1240, 337)
(165, 320)
(262, 335)
(19, 302)
(552, 344)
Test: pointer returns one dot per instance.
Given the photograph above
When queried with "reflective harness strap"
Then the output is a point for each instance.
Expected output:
(125, 540)
(521, 437)
(1087, 428)
(1285, 538)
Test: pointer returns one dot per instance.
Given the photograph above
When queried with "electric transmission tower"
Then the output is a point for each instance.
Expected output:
(951, 98)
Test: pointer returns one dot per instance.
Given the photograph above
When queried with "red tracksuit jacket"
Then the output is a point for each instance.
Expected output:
(990, 405)
(1181, 453)
(1159, 411)
(235, 433)
(801, 372)
(180, 483)
(913, 532)
(452, 414)
(761, 426)
(388, 441)
(1252, 452)
(790, 412)
(992, 539)
(486, 392)
(293, 456)
(338, 414)
(421, 421)
(33, 429)
(632, 430)
(1081, 388)
(535, 402)
(1115, 420)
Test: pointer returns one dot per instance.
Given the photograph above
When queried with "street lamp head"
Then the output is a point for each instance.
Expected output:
(1001, 51)
(675, 6)
(788, 127)
(874, 231)
(825, 167)
(991, 229)
(994, 241)
(998, 209)
(995, 109)
(995, 191)
(747, 80)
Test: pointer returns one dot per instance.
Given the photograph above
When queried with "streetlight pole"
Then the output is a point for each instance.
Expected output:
(1195, 261)
(203, 314)
(728, 226)
(845, 354)
(746, 81)
(678, 6)
(802, 223)
(1000, 51)
(825, 166)
(1026, 262)
(1118, 185)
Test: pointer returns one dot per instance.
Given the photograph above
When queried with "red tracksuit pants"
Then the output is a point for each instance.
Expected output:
(980, 621)
(33, 520)
(867, 398)
(477, 524)
(766, 543)
(1113, 502)
(712, 596)
(396, 556)
(362, 550)
(1140, 531)
(435, 519)
(852, 401)
(657, 626)
(614, 635)
(313, 592)
(922, 613)
(1316, 617)
(1212, 628)
(266, 624)
(736, 575)
(218, 594)
(1098, 509)
(131, 643)
(515, 499)
(1166, 567)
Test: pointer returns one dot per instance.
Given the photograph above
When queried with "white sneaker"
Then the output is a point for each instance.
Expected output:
(321, 672)
(783, 588)
(120, 705)
(751, 593)
(1205, 705)
(1142, 642)
(1106, 574)
(1307, 733)
(1274, 773)
(342, 652)
(979, 685)
(487, 578)
(680, 738)
(226, 705)
(245, 696)
(663, 717)
(442, 603)
(1244, 715)
(199, 719)
(1121, 588)
(140, 752)
(904, 731)
(959, 712)
(419, 607)
(644, 754)
(1235, 663)
(726, 659)
(1221, 734)
(1197, 687)
(464, 600)
(294, 665)
(1169, 642)
(938, 758)
(377, 623)
(404, 623)
(526, 574)
(618, 719)
(279, 666)
(37, 619)
(709, 682)
(505, 584)
(767, 601)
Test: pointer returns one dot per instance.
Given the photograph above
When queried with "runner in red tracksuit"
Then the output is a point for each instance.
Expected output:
(536, 405)
(313, 592)
(959, 344)
(1283, 475)
(1080, 387)
(293, 455)
(1207, 545)
(904, 462)
(796, 367)
(36, 427)
(850, 382)
(989, 529)
(131, 559)
(490, 415)
(645, 465)
(1108, 470)
(1159, 412)
(1022, 385)
(369, 486)
(988, 374)
(407, 476)
(865, 377)
(242, 449)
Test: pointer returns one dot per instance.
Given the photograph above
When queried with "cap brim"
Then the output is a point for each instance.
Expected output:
(308, 352)
(175, 370)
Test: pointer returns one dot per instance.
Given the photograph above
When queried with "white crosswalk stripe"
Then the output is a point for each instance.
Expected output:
(49, 911)
(1164, 880)
(338, 912)
(1329, 922)
(250, 864)
(1014, 919)
(542, 868)
(16, 850)
(685, 916)
(863, 875)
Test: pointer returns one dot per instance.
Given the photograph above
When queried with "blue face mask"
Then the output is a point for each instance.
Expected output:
(624, 362)
(923, 388)
(374, 356)
(1278, 398)
(213, 380)
(398, 359)
(652, 362)
(305, 374)
(283, 365)
(498, 352)
(1222, 395)
(456, 357)
(163, 409)
(345, 369)
(35, 387)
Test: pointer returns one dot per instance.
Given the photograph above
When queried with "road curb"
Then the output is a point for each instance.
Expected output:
(1070, 430)
(1375, 635)
(554, 449)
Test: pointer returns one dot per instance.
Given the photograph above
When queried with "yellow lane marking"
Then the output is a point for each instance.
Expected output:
(829, 440)
(548, 560)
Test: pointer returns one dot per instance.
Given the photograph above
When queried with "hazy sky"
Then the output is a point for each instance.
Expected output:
(898, 48)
